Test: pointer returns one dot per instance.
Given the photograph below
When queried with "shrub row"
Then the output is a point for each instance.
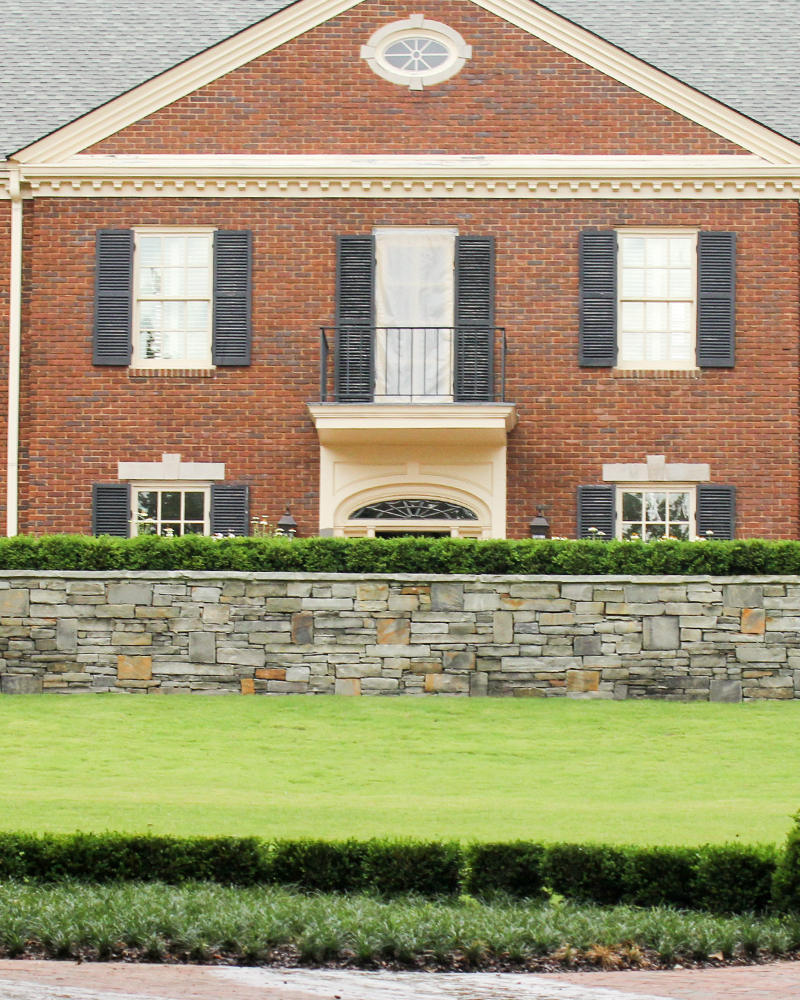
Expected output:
(722, 879)
(397, 555)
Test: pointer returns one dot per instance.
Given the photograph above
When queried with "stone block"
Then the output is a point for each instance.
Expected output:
(761, 653)
(241, 657)
(478, 684)
(95, 588)
(459, 660)
(738, 595)
(134, 668)
(577, 591)
(271, 674)
(587, 645)
(303, 628)
(216, 614)
(130, 593)
(581, 681)
(67, 634)
(21, 683)
(403, 602)
(446, 684)
(324, 604)
(348, 686)
(555, 618)
(127, 638)
(358, 670)
(202, 647)
(372, 592)
(641, 593)
(112, 611)
(297, 673)
(14, 603)
(724, 690)
(529, 664)
(662, 632)
(394, 631)
(233, 588)
(481, 602)
(285, 603)
(206, 595)
(380, 685)
(423, 666)
(754, 621)
(684, 608)
(542, 591)
(447, 597)
(248, 685)
(528, 692)
(47, 597)
(397, 650)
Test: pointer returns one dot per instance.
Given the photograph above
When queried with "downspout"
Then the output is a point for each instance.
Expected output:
(14, 344)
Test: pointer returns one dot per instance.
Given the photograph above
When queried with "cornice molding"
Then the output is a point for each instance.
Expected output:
(305, 15)
(539, 177)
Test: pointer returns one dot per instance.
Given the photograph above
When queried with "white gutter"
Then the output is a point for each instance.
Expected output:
(14, 344)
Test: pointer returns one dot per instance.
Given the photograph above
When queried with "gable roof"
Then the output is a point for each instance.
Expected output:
(69, 59)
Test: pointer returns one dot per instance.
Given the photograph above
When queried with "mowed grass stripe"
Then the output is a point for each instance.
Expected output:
(636, 772)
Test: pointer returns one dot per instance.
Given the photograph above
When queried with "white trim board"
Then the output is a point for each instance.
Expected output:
(304, 15)
(407, 176)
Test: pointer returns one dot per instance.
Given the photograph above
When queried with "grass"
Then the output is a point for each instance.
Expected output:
(198, 922)
(629, 772)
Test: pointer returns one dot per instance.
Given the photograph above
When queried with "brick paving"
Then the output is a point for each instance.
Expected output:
(28, 980)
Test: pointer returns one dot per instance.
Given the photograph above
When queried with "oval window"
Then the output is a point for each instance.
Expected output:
(416, 52)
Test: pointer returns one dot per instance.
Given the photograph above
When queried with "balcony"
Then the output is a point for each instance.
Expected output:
(398, 365)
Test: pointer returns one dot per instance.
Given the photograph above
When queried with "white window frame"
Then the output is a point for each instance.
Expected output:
(691, 363)
(416, 25)
(648, 487)
(185, 485)
(137, 361)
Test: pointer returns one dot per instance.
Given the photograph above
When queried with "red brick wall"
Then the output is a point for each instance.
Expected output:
(80, 420)
(316, 95)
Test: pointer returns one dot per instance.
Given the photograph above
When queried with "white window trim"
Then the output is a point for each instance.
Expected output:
(180, 484)
(690, 365)
(171, 469)
(417, 24)
(137, 361)
(456, 529)
(655, 487)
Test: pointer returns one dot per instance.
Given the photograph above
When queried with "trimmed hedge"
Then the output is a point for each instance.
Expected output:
(398, 555)
(724, 879)
(786, 880)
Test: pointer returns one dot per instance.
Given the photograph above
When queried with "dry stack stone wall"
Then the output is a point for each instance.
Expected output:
(693, 638)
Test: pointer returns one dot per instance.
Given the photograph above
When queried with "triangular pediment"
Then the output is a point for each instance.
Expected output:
(304, 16)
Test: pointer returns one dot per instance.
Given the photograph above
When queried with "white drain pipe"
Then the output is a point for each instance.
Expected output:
(14, 344)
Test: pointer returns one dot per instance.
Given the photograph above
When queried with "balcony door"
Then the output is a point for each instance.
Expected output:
(414, 313)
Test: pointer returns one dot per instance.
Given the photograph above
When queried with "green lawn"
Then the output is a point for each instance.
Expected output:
(638, 772)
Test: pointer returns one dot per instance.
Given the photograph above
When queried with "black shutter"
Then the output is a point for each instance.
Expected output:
(596, 510)
(113, 297)
(716, 299)
(474, 353)
(233, 267)
(597, 323)
(355, 318)
(111, 509)
(716, 512)
(230, 510)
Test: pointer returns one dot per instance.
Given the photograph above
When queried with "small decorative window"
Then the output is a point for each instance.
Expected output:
(414, 510)
(650, 514)
(416, 52)
(170, 510)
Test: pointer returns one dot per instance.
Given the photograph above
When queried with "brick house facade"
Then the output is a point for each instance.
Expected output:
(617, 384)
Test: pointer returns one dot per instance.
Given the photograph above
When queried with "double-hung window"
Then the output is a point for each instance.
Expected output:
(173, 281)
(657, 284)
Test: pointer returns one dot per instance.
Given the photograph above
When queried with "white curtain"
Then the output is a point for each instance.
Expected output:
(414, 299)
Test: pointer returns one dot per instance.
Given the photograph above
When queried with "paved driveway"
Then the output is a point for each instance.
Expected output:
(24, 980)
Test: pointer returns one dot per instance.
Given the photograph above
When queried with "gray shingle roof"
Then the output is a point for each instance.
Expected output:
(61, 60)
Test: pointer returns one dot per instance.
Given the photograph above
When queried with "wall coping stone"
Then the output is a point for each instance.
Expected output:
(179, 574)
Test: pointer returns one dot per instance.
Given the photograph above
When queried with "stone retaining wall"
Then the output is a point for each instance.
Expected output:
(693, 638)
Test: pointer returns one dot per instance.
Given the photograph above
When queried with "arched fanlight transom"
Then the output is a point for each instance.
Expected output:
(414, 510)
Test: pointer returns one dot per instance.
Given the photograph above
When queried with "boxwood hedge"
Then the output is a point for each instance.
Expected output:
(398, 555)
(722, 879)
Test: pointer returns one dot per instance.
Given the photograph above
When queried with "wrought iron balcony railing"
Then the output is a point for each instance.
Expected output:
(412, 364)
